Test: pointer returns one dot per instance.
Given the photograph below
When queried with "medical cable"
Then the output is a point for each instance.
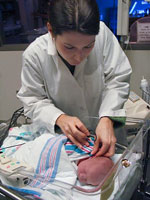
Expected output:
(7, 147)
(11, 123)
(63, 185)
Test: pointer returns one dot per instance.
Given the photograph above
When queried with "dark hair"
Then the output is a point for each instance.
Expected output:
(74, 15)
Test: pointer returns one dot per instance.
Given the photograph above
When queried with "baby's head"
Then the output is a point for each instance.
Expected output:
(93, 170)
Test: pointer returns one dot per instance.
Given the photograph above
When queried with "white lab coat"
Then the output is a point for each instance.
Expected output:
(99, 86)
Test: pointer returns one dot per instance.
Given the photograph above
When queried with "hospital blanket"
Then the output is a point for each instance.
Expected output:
(48, 162)
(51, 157)
(76, 153)
(42, 151)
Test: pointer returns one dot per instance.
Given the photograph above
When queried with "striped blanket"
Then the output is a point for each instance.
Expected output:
(48, 162)
(50, 156)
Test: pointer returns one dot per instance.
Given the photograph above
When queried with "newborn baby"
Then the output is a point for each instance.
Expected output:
(93, 170)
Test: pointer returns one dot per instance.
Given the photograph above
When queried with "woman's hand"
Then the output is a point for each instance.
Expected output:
(74, 129)
(105, 137)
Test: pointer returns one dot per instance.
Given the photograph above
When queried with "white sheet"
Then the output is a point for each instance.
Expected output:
(30, 151)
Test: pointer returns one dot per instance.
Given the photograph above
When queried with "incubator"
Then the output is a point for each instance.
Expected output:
(119, 183)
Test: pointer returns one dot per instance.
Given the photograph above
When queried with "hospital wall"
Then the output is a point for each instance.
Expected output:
(10, 70)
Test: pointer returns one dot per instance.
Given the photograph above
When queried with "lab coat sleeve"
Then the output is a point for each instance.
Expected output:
(117, 71)
(37, 105)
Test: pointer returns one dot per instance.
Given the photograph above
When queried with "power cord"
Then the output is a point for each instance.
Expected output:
(11, 123)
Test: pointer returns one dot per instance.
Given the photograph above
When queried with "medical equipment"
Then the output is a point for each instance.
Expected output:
(123, 18)
(5, 126)
(146, 91)
(9, 167)
(119, 183)
(144, 86)
(133, 97)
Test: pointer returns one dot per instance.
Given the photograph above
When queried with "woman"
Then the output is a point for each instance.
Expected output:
(76, 70)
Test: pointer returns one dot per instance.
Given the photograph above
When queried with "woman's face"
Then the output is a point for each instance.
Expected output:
(74, 47)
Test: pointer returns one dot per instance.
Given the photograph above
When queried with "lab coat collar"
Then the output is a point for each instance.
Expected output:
(51, 46)
(80, 67)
